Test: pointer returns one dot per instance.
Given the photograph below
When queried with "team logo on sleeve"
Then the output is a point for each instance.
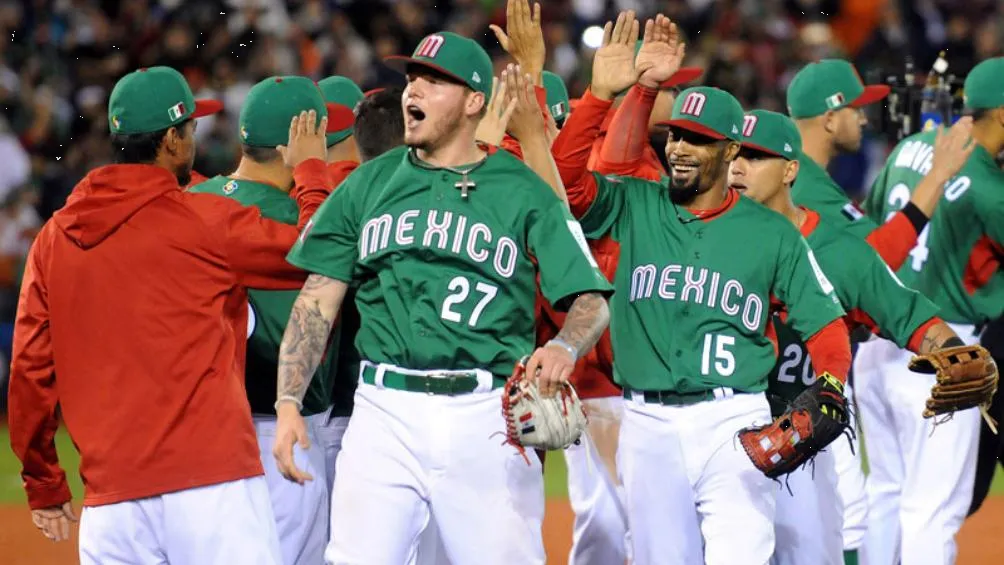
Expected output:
(693, 104)
(430, 46)
(852, 212)
(749, 124)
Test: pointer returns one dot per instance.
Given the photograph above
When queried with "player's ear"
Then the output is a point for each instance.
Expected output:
(731, 151)
(476, 103)
(791, 171)
(829, 121)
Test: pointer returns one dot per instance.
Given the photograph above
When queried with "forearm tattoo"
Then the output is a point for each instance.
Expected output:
(938, 336)
(305, 339)
(586, 320)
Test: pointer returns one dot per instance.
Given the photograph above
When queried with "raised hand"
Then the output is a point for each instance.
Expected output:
(952, 149)
(661, 52)
(614, 65)
(492, 127)
(527, 119)
(307, 139)
(523, 37)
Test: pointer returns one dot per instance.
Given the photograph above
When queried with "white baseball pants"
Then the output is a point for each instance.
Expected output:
(809, 521)
(408, 458)
(301, 512)
(599, 536)
(220, 524)
(921, 477)
(693, 495)
(851, 480)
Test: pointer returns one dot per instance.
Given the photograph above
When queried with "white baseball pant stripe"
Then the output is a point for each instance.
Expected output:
(851, 481)
(408, 458)
(301, 511)
(921, 476)
(693, 495)
(809, 521)
(220, 524)
(600, 529)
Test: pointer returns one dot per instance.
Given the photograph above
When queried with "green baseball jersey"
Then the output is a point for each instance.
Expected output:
(268, 313)
(694, 294)
(868, 290)
(956, 262)
(815, 189)
(446, 268)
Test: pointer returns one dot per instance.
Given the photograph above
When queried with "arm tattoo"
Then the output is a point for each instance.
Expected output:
(306, 337)
(938, 336)
(586, 320)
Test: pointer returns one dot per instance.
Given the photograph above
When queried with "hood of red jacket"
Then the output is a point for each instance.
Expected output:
(107, 197)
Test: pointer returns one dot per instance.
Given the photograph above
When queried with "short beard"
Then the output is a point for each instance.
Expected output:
(441, 134)
(684, 194)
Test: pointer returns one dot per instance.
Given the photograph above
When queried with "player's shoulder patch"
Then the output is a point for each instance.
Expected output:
(852, 212)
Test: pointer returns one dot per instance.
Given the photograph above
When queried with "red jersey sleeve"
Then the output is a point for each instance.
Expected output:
(256, 247)
(830, 350)
(893, 240)
(339, 170)
(623, 150)
(572, 147)
(32, 390)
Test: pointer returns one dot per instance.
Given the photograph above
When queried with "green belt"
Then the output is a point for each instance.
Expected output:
(462, 383)
(670, 398)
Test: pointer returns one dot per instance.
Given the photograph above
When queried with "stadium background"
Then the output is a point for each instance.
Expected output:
(60, 58)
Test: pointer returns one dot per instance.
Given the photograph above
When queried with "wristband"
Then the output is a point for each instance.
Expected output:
(288, 398)
(566, 346)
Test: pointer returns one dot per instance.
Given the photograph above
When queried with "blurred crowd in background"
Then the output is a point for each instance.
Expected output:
(60, 58)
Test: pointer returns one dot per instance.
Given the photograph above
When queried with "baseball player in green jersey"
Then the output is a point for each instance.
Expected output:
(263, 179)
(809, 521)
(441, 237)
(689, 329)
(920, 485)
(825, 100)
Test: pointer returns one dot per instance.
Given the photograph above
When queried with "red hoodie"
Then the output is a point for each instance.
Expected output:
(132, 318)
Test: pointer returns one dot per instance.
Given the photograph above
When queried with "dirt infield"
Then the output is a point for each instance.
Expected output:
(980, 541)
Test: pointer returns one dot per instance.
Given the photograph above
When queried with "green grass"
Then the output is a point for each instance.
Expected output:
(10, 468)
(555, 474)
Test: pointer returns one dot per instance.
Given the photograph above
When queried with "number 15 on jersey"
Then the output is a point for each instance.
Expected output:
(718, 355)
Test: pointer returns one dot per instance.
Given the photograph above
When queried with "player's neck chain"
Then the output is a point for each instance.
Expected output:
(464, 184)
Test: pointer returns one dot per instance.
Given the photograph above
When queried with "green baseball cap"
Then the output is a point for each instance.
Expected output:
(453, 55)
(771, 133)
(345, 93)
(984, 86)
(708, 111)
(154, 99)
(273, 102)
(557, 96)
(830, 84)
(682, 75)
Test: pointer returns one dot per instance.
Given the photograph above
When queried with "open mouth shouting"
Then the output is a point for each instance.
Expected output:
(413, 116)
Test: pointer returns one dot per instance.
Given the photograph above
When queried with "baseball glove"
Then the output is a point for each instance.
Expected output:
(814, 419)
(538, 422)
(966, 378)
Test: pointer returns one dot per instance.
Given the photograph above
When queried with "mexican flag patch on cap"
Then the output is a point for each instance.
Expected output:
(177, 111)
